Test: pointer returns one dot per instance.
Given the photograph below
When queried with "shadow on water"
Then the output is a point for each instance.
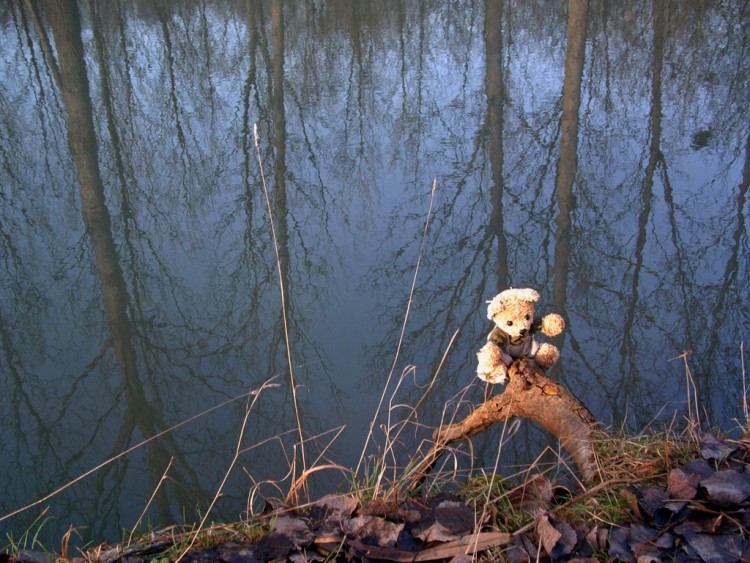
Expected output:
(598, 152)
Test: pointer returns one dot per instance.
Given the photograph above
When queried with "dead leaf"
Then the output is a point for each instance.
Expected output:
(557, 537)
(712, 548)
(534, 496)
(597, 538)
(631, 499)
(273, 546)
(373, 530)
(338, 507)
(449, 521)
(713, 449)
(727, 487)
(473, 543)
(295, 529)
(651, 503)
(683, 485)
(619, 545)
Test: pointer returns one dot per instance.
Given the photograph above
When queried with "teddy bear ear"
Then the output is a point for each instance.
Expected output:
(518, 294)
(528, 294)
(494, 306)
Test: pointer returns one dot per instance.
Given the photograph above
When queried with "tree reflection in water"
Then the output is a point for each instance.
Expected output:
(598, 152)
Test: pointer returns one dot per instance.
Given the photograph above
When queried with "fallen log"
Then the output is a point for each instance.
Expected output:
(528, 394)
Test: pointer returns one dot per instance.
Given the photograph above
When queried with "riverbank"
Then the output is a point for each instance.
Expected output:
(660, 496)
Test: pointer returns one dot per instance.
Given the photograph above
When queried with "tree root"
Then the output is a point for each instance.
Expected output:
(529, 394)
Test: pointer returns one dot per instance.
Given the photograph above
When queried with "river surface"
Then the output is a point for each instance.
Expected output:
(598, 152)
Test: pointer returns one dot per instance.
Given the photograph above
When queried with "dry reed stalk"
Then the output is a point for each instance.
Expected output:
(412, 412)
(692, 390)
(150, 500)
(283, 305)
(403, 330)
(249, 406)
(744, 383)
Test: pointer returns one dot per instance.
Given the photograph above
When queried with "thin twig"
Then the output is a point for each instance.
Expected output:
(403, 330)
(150, 500)
(283, 306)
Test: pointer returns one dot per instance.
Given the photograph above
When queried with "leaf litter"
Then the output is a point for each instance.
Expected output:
(701, 513)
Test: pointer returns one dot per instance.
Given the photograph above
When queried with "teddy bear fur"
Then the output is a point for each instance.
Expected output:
(512, 311)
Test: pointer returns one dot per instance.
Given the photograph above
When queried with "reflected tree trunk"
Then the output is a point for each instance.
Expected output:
(729, 287)
(494, 88)
(31, 8)
(65, 22)
(568, 164)
(628, 349)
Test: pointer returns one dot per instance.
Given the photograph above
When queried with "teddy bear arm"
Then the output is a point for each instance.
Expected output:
(551, 325)
(490, 365)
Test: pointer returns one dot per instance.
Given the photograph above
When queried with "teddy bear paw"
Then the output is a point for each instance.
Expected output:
(497, 376)
(547, 356)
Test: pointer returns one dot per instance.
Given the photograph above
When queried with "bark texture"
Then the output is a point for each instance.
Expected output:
(529, 394)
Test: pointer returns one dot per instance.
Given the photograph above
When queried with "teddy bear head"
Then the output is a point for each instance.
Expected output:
(512, 311)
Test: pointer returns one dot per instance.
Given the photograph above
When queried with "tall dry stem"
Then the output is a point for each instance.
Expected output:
(745, 411)
(412, 412)
(283, 309)
(692, 391)
(248, 407)
(150, 500)
(403, 331)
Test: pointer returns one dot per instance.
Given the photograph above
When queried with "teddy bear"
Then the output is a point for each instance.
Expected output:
(512, 311)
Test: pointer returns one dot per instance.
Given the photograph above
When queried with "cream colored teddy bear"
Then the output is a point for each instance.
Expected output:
(512, 311)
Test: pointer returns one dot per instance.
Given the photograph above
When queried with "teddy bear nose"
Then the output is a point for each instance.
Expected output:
(523, 332)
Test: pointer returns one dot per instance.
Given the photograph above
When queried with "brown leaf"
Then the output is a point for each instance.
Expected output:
(650, 500)
(630, 497)
(597, 538)
(373, 530)
(712, 548)
(338, 507)
(474, 543)
(273, 546)
(449, 521)
(295, 529)
(683, 485)
(711, 448)
(619, 545)
(557, 537)
(727, 487)
(535, 495)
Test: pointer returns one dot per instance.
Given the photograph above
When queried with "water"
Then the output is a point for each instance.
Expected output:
(599, 156)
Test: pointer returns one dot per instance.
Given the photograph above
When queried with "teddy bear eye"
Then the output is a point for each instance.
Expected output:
(527, 317)
(510, 323)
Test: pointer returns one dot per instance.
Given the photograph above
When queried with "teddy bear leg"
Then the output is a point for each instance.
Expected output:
(490, 365)
(547, 356)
